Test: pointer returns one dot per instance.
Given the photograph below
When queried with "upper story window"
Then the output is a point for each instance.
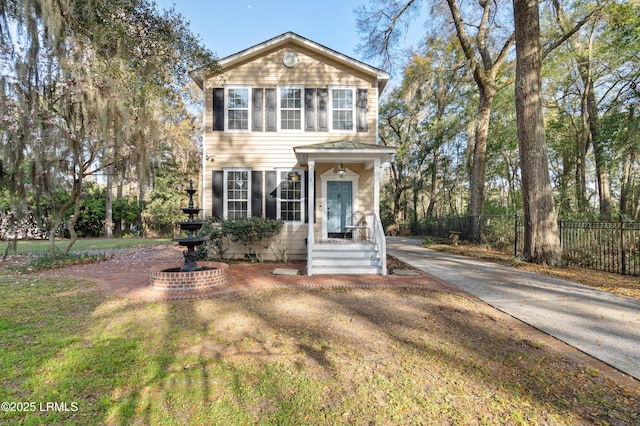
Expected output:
(237, 108)
(290, 107)
(343, 108)
(294, 108)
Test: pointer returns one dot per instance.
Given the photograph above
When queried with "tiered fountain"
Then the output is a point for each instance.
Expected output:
(191, 226)
(190, 277)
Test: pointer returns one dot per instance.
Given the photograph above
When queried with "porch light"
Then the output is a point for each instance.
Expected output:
(294, 176)
(341, 170)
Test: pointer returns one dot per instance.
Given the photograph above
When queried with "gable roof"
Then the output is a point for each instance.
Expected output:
(381, 76)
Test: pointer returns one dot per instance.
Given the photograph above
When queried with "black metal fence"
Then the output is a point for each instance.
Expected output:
(605, 246)
(497, 231)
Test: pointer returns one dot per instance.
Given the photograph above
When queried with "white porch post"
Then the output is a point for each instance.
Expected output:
(311, 213)
(376, 187)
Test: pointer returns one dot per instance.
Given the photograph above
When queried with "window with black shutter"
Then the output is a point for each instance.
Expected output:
(310, 110)
(218, 109)
(217, 209)
(271, 194)
(362, 124)
(323, 113)
(271, 110)
(257, 116)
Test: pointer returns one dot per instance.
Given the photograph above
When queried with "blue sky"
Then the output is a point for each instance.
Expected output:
(229, 26)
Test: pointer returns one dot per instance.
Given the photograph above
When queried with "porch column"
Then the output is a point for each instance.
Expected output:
(311, 214)
(376, 187)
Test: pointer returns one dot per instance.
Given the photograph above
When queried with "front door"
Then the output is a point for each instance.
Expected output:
(338, 208)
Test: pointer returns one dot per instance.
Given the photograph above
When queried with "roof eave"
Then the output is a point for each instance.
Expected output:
(197, 78)
(344, 155)
(382, 77)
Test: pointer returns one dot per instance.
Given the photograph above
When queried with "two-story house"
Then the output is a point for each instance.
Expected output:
(290, 132)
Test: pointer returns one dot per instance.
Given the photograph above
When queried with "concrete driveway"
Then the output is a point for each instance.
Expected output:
(601, 324)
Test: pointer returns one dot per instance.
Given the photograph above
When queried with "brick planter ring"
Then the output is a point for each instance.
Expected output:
(214, 274)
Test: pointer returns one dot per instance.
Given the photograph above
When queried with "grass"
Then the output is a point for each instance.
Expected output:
(285, 357)
(33, 255)
(41, 247)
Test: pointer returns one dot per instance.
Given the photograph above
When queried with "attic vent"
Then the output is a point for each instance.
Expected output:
(290, 59)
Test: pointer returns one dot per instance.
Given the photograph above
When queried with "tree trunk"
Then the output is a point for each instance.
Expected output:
(582, 146)
(12, 247)
(541, 237)
(73, 237)
(479, 162)
(108, 210)
(117, 223)
(58, 220)
(581, 172)
(565, 179)
(626, 185)
(604, 193)
(434, 185)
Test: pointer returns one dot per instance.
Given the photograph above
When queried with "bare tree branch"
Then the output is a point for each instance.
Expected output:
(550, 48)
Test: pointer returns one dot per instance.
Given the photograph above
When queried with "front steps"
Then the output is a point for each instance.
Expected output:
(345, 258)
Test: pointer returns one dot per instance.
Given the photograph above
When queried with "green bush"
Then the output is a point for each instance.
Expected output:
(250, 232)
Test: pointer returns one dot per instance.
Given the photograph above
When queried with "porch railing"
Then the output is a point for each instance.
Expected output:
(380, 241)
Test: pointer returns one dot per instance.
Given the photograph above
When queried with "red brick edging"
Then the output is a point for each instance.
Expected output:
(164, 280)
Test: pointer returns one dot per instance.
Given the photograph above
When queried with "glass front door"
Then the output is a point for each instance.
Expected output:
(338, 208)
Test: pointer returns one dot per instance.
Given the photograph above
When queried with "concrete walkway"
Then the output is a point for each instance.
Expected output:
(601, 324)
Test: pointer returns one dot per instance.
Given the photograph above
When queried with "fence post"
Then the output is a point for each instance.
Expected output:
(515, 239)
(560, 235)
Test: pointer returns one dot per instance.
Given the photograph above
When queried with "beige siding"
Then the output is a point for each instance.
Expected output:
(312, 70)
(290, 242)
(270, 150)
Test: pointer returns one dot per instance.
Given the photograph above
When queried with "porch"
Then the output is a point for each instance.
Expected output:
(336, 256)
(344, 201)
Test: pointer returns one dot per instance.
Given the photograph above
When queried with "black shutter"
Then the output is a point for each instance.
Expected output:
(362, 124)
(323, 99)
(272, 110)
(218, 109)
(218, 194)
(305, 200)
(310, 110)
(271, 196)
(257, 117)
(256, 194)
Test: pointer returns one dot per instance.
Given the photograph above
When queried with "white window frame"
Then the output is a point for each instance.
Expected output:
(225, 192)
(279, 109)
(303, 195)
(353, 108)
(226, 107)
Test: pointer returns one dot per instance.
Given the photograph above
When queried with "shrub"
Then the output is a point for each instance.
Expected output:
(250, 232)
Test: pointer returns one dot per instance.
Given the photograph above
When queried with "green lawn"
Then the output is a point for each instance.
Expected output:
(282, 357)
(82, 244)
